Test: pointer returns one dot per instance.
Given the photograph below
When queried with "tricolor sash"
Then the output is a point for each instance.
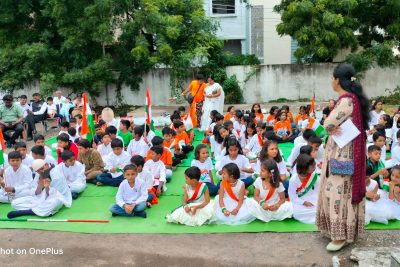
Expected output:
(229, 191)
(201, 188)
(271, 191)
(307, 184)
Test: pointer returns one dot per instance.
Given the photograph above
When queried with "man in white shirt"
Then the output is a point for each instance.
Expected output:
(58, 100)
(23, 102)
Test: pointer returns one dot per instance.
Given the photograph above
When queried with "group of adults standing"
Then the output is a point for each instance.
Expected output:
(206, 97)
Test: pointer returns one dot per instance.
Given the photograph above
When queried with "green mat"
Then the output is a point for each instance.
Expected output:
(94, 203)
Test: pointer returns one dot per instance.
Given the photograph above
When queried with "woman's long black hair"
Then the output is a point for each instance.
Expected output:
(345, 73)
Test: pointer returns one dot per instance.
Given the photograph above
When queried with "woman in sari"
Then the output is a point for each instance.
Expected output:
(214, 100)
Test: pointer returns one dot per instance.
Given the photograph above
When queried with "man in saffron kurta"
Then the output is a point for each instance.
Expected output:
(196, 88)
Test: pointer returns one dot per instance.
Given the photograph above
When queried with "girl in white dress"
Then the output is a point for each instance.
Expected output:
(214, 98)
(217, 143)
(231, 206)
(394, 194)
(376, 112)
(376, 206)
(196, 208)
(303, 189)
(269, 195)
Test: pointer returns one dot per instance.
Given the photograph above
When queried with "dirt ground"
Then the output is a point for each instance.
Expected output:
(249, 249)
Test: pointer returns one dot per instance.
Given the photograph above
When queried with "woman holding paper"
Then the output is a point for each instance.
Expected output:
(341, 204)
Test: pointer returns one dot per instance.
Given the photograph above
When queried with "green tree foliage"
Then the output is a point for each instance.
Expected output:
(85, 44)
(371, 28)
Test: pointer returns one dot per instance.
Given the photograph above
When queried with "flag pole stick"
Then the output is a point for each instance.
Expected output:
(53, 220)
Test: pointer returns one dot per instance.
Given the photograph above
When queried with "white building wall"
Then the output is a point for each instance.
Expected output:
(277, 50)
(232, 26)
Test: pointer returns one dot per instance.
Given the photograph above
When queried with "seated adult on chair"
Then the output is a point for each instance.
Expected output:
(11, 118)
(37, 114)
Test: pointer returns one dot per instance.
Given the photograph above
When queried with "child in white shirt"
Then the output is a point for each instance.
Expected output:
(156, 167)
(115, 162)
(105, 147)
(73, 171)
(137, 146)
(147, 177)
(26, 158)
(131, 196)
(17, 179)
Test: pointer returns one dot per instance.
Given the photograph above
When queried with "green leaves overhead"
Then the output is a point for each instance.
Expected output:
(86, 44)
(370, 28)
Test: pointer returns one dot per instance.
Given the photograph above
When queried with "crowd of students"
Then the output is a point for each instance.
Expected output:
(244, 152)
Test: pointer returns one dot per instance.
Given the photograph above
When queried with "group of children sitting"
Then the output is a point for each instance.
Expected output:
(244, 152)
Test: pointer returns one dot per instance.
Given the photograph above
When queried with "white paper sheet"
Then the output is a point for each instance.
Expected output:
(348, 132)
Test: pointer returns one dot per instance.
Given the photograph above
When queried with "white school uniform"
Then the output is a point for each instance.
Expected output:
(104, 150)
(284, 211)
(375, 117)
(205, 168)
(376, 211)
(218, 151)
(45, 205)
(116, 161)
(50, 160)
(137, 148)
(299, 140)
(202, 215)
(47, 151)
(27, 161)
(241, 161)
(243, 216)
(394, 207)
(254, 145)
(296, 152)
(128, 195)
(21, 181)
(158, 171)
(395, 153)
(281, 167)
(74, 175)
(147, 177)
(300, 212)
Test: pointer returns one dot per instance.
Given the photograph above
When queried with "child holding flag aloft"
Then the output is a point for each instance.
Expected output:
(303, 189)
(269, 195)
(231, 206)
(196, 208)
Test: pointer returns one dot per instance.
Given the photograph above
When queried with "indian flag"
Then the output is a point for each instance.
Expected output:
(386, 184)
(191, 122)
(2, 146)
(314, 125)
(87, 120)
(149, 120)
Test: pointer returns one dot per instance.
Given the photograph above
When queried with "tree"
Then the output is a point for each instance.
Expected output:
(85, 45)
(370, 28)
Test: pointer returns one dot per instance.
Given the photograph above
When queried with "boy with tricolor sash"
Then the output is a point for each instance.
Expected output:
(196, 208)
(303, 189)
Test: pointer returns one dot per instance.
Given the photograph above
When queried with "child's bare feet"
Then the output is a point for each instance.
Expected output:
(148, 204)
(246, 192)
(99, 184)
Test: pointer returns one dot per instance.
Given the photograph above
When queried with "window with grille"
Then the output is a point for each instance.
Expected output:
(223, 6)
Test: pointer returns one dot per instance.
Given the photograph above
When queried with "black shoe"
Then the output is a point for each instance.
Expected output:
(142, 214)
(74, 195)
(114, 214)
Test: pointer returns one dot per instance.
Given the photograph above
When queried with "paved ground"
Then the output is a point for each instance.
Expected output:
(259, 249)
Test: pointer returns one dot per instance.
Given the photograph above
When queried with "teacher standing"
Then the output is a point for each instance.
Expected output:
(214, 100)
(341, 203)
(196, 88)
